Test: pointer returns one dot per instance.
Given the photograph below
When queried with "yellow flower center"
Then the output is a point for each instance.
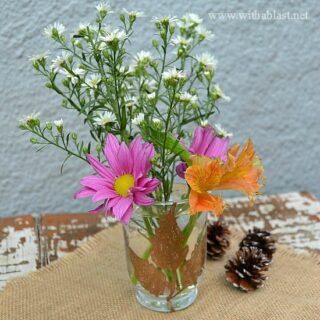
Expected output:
(123, 184)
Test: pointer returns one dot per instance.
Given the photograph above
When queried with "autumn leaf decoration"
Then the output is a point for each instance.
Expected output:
(168, 255)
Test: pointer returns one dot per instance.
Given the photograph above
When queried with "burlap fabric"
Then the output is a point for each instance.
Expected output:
(92, 283)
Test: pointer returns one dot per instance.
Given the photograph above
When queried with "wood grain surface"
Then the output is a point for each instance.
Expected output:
(32, 241)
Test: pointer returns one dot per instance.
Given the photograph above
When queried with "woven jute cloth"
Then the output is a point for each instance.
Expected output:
(93, 283)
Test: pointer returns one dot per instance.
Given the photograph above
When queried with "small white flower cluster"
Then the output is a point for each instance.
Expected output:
(143, 57)
(133, 14)
(173, 75)
(103, 118)
(222, 132)
(114, 36)
(30, 119)
(181, 41)
(208, 61)
(165, 21)
(57, 63)
(188, 98)
(103, 9)
(220, 93)
(74, 75)
(39, 57)
(54, 30)
(190, 20)
(130, 101)
(138, 120)
(58, 123)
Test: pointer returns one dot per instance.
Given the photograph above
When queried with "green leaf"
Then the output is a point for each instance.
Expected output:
(172, 144)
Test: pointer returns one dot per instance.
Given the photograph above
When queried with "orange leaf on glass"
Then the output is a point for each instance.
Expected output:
(168, 249)
(148, 275)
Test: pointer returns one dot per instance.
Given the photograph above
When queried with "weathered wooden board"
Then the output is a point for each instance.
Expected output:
(18, 246)
(30, 242)
(293, 218)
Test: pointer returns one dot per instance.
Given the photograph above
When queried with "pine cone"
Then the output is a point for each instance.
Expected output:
(217, 239)
(260, 239)
(246, 269)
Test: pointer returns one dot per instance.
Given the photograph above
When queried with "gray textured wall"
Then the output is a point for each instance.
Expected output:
(270, 69)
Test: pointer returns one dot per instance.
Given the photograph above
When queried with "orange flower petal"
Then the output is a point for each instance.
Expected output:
(201, 202)
(204, 174)
(242, 173)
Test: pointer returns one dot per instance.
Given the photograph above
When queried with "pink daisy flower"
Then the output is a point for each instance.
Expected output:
(205, 142)
(122, 183)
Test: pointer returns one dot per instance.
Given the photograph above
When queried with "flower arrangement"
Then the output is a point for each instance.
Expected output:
(148, 102)
(139, 110)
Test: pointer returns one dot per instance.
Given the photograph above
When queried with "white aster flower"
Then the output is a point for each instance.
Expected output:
(181, 41)
(76, 72)
(204, 33)
(130, 101)
(222, 132)
(191, 19)
(58, 123)
(220, 93)
(143, 57)
(165, 20)
(187, 97)
(82, 28)
(151, 96)
(156, 121)
(57, 63)
(207, 60)
(93, 81)
(104, 8)
(53, 30)
(103, 118)
(173, 75)
(30, 119)
(150, 85)
(133, 14)
(204, 123)
(138, 119)
(39, 57)
(116, 35)
(126, 69)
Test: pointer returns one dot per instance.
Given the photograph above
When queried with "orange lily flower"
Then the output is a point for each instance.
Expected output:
(241, 172)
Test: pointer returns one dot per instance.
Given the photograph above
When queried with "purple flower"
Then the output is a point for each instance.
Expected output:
(122, 183)
(205, 142)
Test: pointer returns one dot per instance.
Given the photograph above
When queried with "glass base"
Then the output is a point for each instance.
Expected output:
(179, 302)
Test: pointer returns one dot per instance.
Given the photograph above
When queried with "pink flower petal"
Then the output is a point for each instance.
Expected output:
(99, 209)
(126, 217)
(104, 194)
(83, 193)
(181, 169)
(94, 182)
(142, 200)
(111, 150)
(99, 167)
(219, 148)
(121, 207)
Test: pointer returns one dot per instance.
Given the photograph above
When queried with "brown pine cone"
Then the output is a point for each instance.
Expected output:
(260, 239)
(246, 269)
(217, 239)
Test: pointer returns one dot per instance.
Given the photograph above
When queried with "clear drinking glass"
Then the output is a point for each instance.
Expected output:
(166, 253)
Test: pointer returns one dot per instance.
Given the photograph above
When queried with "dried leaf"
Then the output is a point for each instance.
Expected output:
(168, 250)
(193, 267)
(149, 276)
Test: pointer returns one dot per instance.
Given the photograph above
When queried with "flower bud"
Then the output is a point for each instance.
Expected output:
(34, 140)
(74, 136)
(49, 125)
(98, 148)
(155, 43)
